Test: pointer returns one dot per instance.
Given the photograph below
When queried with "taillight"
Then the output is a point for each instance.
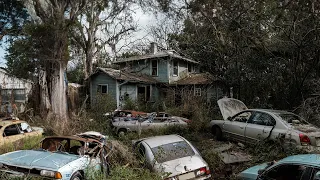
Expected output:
(203, 171)
(304, 139)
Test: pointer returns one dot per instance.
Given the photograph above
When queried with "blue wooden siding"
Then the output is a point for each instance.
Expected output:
(102, 79)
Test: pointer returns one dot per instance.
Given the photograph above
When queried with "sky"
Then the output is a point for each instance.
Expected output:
(144, 20)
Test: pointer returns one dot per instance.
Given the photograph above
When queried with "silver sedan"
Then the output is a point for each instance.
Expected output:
(172, 156)
(252, 125)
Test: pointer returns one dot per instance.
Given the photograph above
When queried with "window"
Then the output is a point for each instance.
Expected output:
(242, 117)
(11, 130)
(197, 91)
(285, 171)
(175, 68)
(262, 119)
(154, 67)
(171, 151)
(316, 174)
(190, 68)
(103, 89)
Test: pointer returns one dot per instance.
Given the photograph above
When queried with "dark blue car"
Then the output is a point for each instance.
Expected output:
(297, 167)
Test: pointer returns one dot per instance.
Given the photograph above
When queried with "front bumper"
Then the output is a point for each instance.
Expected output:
(9, 174)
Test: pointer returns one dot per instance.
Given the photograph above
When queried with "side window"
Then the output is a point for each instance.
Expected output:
(24, 127)
(262, 119)
(242, 117)
(11, 130)
(286, 171)
(141, 150)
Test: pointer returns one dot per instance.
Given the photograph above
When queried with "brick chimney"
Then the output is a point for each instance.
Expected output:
(153, 48)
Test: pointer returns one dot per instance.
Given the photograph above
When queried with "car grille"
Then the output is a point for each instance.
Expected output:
(22, 170)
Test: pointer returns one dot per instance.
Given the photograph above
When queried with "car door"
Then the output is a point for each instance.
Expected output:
(12, 133)
(258, 127)
(235, 127)
(287, 171)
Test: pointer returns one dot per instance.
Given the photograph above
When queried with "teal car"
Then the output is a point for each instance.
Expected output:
(60, 157)
(297, 167)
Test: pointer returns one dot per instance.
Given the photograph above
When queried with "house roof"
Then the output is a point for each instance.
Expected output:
(196, 78)
(127, 76)
(168, 53)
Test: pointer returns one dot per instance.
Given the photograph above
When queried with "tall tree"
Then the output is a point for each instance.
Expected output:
(103, 23)
(51, 38)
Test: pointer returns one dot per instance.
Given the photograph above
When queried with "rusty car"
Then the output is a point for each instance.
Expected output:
(12, 129)
(60, 157)
(173, 157)
(252, 125)
(142, 124)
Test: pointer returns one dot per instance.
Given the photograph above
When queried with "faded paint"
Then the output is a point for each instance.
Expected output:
(102, 79)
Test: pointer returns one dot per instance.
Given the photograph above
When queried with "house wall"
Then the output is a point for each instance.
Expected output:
(182, 69)
(102, 79)
(144, 66)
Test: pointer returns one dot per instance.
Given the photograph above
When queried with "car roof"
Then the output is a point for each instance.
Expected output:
(303, 159)
(272, 111)
(161, 140)
(8, 122)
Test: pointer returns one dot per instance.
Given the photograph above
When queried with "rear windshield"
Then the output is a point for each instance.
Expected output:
(292, 119)
(168, 152)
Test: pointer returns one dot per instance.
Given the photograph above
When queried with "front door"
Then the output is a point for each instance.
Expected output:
(259, 127)
(235, 127)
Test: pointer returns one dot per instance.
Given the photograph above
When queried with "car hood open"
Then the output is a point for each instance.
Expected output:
(230, 107)
(181, 165)
(37, 159)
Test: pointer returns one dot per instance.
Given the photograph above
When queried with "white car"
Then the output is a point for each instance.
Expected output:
(172, 156)
(59, 157)
(252, 125)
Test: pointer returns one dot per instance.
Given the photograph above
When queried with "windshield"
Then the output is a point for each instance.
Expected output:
(171, 151)
(292, 118)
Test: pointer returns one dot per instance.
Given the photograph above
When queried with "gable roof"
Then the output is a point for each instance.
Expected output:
(196, 78)
(168, 53)
(126, 76)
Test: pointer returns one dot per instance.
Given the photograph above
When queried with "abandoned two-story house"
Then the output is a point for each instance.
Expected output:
(153, 77)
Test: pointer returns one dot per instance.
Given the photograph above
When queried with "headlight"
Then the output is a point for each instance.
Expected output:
(53, 174)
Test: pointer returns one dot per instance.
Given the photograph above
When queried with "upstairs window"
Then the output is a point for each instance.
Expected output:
(154, 67)
(197, 91)
(102, 88)
(175, 68)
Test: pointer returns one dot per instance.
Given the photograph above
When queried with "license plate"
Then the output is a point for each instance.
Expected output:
(186, 176)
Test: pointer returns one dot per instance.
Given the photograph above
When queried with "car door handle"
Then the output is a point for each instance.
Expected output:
(241, 127)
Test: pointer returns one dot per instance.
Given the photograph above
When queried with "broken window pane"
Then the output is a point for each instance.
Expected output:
(11, 130)
(103, 89)
(175, 68)
(262, 119)
(154, 64)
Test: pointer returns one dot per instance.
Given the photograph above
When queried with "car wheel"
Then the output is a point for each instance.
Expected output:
(218, 133)
(76, 176)
(122, 132)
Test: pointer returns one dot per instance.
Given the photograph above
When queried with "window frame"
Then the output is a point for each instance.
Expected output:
(308, 167)
(17, 128)
(99, 88)
(157, 67)
(173, 68)
(271, 120)
(197, 93)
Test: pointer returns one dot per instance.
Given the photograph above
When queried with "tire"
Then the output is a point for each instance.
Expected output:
(122, 132)
(76, 176)
(218, 133)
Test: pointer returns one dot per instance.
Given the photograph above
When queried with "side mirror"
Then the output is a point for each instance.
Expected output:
(229, 118)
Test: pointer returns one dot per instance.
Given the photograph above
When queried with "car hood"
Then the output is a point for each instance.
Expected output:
(251, 173)
(181, 165)
(37, 159)
(230, 107)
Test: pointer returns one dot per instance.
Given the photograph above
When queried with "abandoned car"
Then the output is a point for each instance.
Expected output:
(12, 130)
(60, 157)
(162, 116)
(297, 167)
(172, 156)
(252, 125)
(139, 124)
(119, 115)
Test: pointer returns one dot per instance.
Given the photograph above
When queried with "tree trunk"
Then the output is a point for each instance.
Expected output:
(59, 91)
(45, 105)
(88, 64)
